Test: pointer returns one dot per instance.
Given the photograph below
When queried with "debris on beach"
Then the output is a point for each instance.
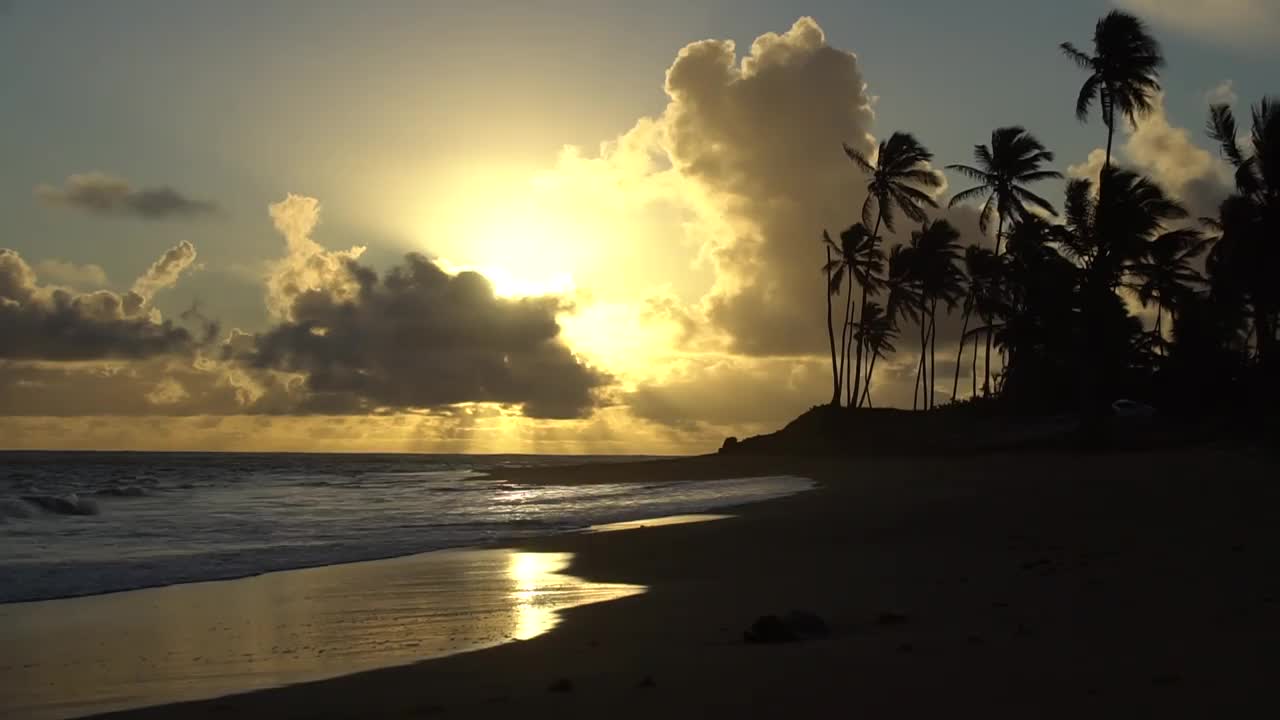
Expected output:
(795, 625)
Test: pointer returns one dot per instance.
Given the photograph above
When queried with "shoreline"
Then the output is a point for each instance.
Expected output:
(526, 590)
(539, 529)
(1020, 585)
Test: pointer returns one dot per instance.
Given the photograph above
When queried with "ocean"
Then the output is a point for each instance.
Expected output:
(74, 524)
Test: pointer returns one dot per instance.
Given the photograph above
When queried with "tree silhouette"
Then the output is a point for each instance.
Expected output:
(1165, 274)
(1014, 159)
(1123, 72)
(859, 257)
(898, 180)
(1248, 250)
(935, 262)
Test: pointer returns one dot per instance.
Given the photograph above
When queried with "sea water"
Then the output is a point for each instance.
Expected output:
(86, 523)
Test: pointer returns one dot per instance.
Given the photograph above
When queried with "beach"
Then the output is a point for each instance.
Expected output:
(1039, 585)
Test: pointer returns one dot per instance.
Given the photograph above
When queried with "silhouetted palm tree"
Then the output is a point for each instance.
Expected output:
(1014, 159)
(1136, 209)
(1165, 275)
(898, 180)
(983, 269)
(829, 269)
(935, 261)
(1249, 221)
(878, 337)
(859, 257)
(1123, 71)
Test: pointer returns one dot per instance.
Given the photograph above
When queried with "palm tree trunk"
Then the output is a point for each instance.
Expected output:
(831, 338)
(1160, 328)
(955, 384)
(1111, 133)
(986, 384)
(866, 386)
(973, 371)
(844, 344)
(862, 317)
(933, 349)
(915, 398)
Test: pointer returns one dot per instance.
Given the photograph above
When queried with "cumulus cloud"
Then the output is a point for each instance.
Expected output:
(53, 323)
(62, 272)
(306, 266)
(414, 337)
(103, 194)
(762, 138)
(1168, 155)
(1230, 22)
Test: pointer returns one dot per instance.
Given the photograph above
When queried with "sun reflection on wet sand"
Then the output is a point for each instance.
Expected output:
(82, 655)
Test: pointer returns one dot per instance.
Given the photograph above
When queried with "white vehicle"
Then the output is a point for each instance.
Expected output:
(1132, 409)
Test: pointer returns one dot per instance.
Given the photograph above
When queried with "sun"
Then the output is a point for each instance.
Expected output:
(523, 248)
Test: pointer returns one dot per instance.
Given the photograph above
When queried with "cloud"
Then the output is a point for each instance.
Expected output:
(1224, 93)
(71, 274)
(164, 272)
(414, 337)
(1230, 22)
(731, 392)
(306, 267)
(52, 323)
(1167, 154)
(762, 138)
(103, 194)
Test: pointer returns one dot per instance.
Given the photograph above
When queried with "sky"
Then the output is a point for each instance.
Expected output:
(559, 227)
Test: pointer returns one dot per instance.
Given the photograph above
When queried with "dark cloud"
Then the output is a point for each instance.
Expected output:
(50, 323)
(103, 194)
(418, 337)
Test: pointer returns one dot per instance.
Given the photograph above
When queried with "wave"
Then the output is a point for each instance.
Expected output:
(123, 491)
(62, 504)
(13, 509)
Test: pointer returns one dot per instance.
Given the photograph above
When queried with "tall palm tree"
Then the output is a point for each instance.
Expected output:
(878, 337)
(1124, 72)
(1249, 220)
(1165, 275)
(859, 258)
(905, 303)
(983, 269)
(898, 180)
(936, 247)
(1014, 158)
(832, 290)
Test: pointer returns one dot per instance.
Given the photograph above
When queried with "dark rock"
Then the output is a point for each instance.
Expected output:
(730, 444)
(770, 629)
(891, 618)
(807, 624)
(563, 685)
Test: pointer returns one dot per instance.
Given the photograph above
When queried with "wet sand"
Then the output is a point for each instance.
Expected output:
(70, 657)
(1007, 586)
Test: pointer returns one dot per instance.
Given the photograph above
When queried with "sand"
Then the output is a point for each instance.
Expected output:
(1016, 586)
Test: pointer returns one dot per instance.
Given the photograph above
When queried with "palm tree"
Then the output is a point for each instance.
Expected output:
(1014, 158)
(898, 180)
(1123, 71)
(983, 268)
(1164, 275)
(832, 289)
(1249, 220)
(1136, 209)
(878, 337)
(937, 252)
(905, 299)
(857, 256)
